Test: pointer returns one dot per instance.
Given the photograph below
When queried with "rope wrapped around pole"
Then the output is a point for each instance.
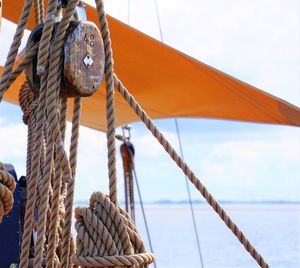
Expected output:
(107, 236)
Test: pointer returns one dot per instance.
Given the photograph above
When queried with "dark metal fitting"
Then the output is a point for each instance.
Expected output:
(63, 3)
(126, 129)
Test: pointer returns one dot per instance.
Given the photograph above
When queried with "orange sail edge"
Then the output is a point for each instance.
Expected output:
(93, 110)
(168, 83)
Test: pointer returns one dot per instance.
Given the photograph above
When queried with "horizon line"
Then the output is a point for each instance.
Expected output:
(198, 201)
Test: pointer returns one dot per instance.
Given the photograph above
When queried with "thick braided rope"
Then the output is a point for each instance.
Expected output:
(54, 77)
(55, 207)
(37, 10)
(109, 211)
(97, 246)
(7, 187)
(135, 238)
(19, 69)
(43, 63)
(41, 5)
(63, 117)
(186, 170)
(110, 225)
(63, 126)
(28, 103)
(60, 231)
(31, 263)
(135, 260)
(38, 250)
(110, 105)
(36, 153)
(12, 54)
(70, 189)
(61, 162)
(53, 86)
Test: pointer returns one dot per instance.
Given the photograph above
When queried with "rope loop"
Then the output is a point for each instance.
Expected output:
(7, 187)
(107, 237)
(28, 102)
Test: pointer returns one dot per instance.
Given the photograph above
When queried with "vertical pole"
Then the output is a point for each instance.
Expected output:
(127, 170)
(126, 191)
(131, 196)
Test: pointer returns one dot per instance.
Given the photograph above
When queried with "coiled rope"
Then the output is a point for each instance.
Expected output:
(7, 187)
(104, 229)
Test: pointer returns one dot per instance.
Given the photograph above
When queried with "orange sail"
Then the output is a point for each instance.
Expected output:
(168, 83)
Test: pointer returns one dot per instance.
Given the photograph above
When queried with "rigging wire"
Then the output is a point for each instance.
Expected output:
(128, 12)
(158, 21)
(182, 156)
(143, 211)
(189, 196)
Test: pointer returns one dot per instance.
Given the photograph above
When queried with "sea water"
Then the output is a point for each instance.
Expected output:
(273, 229)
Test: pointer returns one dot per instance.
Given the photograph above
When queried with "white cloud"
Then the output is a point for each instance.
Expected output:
(13, 139)
(256, 169)
(6, 37)
(150, 147)
(255, 151)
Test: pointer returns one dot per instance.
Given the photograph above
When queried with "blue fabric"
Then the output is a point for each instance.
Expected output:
(10, 229)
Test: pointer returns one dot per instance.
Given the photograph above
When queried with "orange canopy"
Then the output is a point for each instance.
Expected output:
(168, 83)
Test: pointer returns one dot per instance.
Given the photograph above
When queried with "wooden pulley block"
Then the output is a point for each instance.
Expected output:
(83, 60)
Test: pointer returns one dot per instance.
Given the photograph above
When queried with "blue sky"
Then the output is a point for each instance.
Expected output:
(256, 41)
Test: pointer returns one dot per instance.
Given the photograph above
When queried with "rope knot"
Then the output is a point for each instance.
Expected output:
(107, 237)
(28, 102)
(7, 187)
